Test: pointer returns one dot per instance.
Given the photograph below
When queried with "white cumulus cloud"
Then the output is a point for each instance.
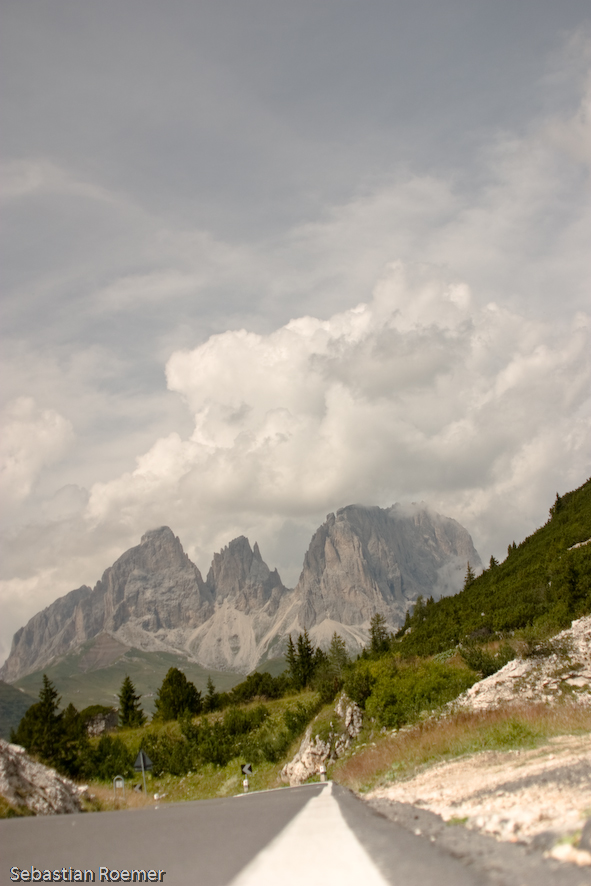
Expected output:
(416, 393)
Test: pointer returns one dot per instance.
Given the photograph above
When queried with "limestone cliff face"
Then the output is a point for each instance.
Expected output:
(362, 560)
(248, 596)
(240, 575)
(150, 592)
(365, 560)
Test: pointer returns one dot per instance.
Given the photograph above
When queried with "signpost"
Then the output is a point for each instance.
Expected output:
(246, 771)
(143, 762)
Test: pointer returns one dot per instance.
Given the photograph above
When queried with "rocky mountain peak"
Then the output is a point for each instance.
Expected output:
(239, 574)
(364, 560)
(361, 561)
(151, 591)
(160, 549)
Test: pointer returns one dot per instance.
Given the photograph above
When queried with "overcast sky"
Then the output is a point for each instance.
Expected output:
(262, 260)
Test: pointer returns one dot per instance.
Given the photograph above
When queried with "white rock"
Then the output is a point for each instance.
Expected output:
(314, 752)
(23, 782)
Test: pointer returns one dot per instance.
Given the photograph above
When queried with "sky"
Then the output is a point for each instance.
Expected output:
(263, 260)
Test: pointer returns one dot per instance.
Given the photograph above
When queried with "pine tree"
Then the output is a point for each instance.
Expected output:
(337, 655)
(306, 660)
(493, 562)
(41, 729)
(470, 577)
(130, 711)
(329, 669)
(556, 507)
(292, 660)
(212, 698)
(378, 633)
(177, 696)
(74, 742)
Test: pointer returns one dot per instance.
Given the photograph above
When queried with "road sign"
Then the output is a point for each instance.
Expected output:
(142, 762)
(247, 769)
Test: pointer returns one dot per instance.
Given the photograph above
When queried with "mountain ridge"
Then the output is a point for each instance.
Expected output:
(360, 561)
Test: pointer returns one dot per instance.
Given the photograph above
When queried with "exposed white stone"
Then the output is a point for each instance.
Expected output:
(314, 751)
(24, 782)
(539, 677)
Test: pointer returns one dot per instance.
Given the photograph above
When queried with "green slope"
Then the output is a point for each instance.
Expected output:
(101, 685)
(13, 705)
(541, 581)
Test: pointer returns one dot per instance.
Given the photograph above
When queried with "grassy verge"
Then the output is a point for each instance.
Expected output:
(205, 780)
(7, 810)
(387, 758)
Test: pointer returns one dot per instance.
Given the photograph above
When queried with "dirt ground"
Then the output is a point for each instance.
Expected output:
(540, 797)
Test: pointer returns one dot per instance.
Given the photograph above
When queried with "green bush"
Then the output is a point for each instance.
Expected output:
(106, 759)
(259, 685)
(168, 754)
(238, 721)
(486, 663)
(360, 680)
(296, 719)
(396, 692)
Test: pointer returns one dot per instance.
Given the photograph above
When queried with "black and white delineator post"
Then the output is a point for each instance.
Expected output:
(322, 772)
(246, 771)
(143, 762)
(119, 785)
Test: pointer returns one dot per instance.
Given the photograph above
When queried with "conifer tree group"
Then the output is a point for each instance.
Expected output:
(57, 738)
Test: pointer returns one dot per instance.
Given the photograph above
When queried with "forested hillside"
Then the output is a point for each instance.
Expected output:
(545, 581)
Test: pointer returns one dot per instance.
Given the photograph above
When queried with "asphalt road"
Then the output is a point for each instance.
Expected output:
(315, 834)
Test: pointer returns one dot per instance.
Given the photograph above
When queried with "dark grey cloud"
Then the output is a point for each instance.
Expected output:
(242, 115)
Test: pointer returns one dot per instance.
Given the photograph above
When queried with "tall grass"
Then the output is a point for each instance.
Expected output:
(400, 755)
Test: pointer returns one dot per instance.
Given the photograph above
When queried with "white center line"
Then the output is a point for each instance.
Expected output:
(316, 848)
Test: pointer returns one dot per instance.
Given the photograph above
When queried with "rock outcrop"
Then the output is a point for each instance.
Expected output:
(103, 722)
(361, 561)
(239, 574)
(558, 670)
(25, 783)
(314, 751)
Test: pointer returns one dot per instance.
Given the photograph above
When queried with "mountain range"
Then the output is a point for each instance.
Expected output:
(361, 561)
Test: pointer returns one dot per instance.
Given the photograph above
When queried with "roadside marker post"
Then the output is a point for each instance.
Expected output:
(143, 762)
(246, 771)
(119, 785)
(322, 772)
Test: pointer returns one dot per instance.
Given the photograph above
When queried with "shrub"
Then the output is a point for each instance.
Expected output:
(259, 685)
(296, 719)
(484, 662)
(396, 692)
(106, 759)
(168, 754)
(360, 680)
